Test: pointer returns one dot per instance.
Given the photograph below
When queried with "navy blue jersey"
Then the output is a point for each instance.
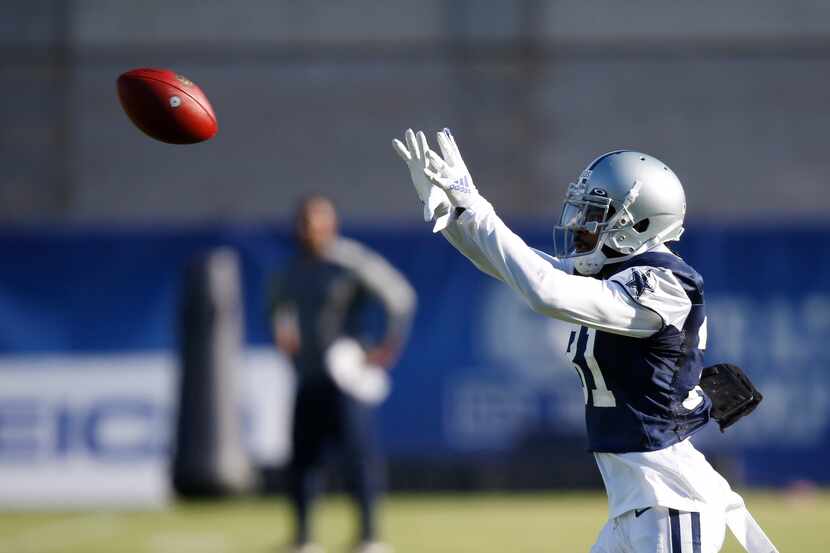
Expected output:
(642, 394)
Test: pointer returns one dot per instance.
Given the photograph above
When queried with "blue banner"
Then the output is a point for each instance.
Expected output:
(482, 374)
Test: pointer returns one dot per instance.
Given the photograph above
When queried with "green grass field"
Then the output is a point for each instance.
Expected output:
(550, 522)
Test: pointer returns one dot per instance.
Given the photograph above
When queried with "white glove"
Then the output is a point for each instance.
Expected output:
(450, 173)
(414, 154)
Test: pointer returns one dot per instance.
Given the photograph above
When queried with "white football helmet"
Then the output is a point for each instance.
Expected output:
(628, 201)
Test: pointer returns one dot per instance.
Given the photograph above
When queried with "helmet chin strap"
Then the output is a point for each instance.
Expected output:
(592, 263)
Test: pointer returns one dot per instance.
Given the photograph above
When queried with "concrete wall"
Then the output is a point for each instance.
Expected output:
(309, 95)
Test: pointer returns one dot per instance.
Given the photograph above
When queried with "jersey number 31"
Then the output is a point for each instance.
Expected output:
(581, 346)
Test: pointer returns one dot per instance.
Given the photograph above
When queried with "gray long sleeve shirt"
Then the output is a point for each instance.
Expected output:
(326, 296)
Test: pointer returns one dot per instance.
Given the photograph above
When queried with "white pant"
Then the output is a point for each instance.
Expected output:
(662, 530)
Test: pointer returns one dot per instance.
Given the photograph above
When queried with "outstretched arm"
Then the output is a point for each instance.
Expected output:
(456, 236)
(604, 305)
(413, 150)
(601, 304)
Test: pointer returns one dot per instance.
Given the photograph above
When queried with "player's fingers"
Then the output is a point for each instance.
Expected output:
(454, 143)
(455, 150)
(448, 132)
(436, 162)
(412, 143)
(447, 149)
(401, 150)
(423, 144)
(434, 178)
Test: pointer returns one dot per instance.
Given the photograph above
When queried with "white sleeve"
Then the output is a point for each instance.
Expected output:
(561, 264)
(549, 290)
(455, 236)
(657, 289)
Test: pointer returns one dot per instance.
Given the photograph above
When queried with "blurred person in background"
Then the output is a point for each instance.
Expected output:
(318, 313)
(639, 334)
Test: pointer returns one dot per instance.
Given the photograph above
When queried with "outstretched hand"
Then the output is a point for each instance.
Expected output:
(450, 173)
(415, 154)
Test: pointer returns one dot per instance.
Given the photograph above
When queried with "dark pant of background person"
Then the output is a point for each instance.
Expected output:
(326, 419)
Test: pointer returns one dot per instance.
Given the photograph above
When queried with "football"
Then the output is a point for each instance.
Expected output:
(166, 106)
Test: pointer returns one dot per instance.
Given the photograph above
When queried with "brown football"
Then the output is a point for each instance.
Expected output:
(166, 106)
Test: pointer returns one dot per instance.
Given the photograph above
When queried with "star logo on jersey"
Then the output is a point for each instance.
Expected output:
(640, 282)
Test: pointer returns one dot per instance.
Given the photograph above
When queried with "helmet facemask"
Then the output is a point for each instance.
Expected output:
(591, 221)
(580, 226)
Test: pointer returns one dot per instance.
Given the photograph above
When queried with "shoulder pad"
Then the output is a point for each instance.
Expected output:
(658, 289)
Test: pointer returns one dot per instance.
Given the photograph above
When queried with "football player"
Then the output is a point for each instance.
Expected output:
(638, 339)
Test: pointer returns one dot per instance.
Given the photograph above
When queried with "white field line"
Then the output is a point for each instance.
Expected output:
(62, 534)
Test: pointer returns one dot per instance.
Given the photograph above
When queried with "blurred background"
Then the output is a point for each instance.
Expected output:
(99, 224)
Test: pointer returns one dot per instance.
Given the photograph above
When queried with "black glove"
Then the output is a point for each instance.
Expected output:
(732, 393)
